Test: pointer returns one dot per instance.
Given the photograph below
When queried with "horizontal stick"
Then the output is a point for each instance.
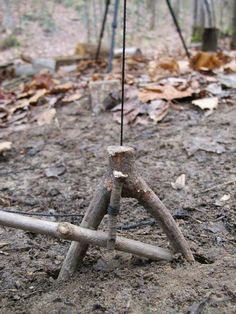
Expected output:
(68, 231)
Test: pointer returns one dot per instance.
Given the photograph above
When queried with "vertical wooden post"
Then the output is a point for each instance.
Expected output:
(113, 211)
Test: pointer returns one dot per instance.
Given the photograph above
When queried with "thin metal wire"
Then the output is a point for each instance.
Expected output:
(40, 214)
(123, 77)
(124, 227)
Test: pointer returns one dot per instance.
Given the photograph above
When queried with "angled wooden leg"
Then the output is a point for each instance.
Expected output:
(122, 159)
(146, 197)
(93, 217)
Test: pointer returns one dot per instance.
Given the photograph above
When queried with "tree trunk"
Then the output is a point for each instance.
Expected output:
(198, 20)
(152, 9)
(87, 20)
(8, 23)
(233, 43)
(210, 35)
(209, 13)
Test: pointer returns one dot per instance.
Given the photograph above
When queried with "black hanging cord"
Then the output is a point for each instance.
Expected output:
(123, 77)
(178, 28)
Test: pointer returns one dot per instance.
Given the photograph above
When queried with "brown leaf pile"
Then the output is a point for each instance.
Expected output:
(207, 61)
(137, 113)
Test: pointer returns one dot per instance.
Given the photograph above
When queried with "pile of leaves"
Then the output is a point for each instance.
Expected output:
(35, 100)
(153, 87)
(206, 80)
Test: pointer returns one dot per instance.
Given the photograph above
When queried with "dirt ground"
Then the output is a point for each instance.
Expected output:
(30, 263)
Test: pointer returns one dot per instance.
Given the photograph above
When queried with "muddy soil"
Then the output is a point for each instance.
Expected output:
(204, 209)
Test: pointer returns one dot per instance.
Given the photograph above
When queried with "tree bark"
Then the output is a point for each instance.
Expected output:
(233, 42)
(8, 23)
(198, 21)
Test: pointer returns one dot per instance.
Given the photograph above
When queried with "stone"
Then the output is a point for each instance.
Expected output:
(99, 91)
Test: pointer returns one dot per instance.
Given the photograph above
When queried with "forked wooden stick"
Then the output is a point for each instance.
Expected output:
(123, 159)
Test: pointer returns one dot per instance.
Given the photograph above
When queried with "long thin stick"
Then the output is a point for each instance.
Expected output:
(71, 232)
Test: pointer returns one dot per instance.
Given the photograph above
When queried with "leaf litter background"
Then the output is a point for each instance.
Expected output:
(182, 124)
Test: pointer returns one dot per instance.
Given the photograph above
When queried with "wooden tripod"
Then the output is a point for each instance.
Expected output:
(122, 177)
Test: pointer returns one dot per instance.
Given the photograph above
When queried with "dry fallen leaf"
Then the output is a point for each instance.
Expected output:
(130, 79)
(55, 171)
(228, 81)
(184, 67)
(37, 96)
(132, 109)
(153, 69)
(162, 67)
(23, 104)
(215, 89)
(43, 81)
(46, 117)
(62, 88)
(166, 92)
(179, 184)
(157, 110)
(209, 103)
(230, 67)
(4, 146)
(25, 94)
(225, 198)
(169, 64)
(71, 98)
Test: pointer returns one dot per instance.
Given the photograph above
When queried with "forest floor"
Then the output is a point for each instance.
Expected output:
(75, 145)
(30, 263)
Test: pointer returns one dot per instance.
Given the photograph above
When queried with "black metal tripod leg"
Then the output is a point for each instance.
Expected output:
(178, 28)
(102, 29)
(114, 26)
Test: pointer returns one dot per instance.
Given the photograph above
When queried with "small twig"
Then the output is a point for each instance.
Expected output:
(136, 225)
(219, 185)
